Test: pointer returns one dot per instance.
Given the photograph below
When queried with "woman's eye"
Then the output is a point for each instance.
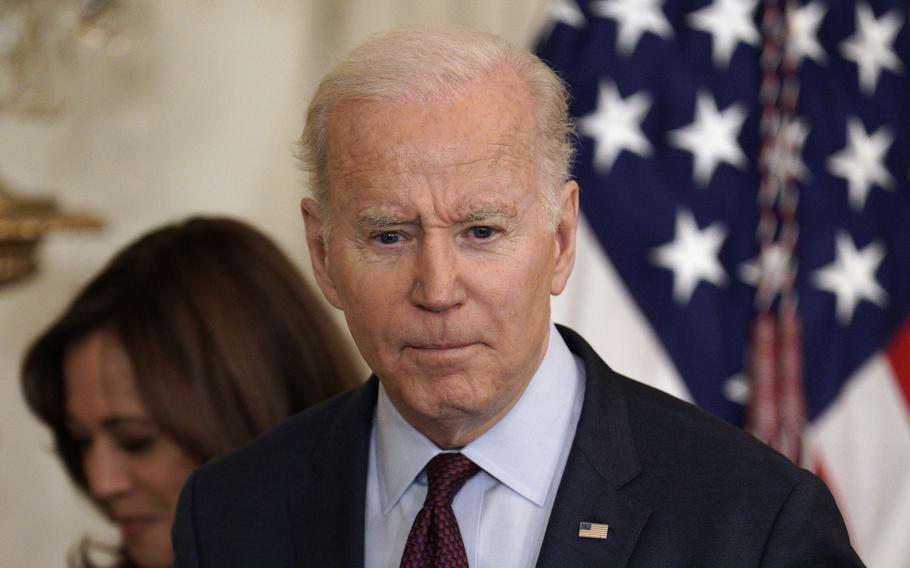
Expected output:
(481, 232)
(389, 238)
(135, 445)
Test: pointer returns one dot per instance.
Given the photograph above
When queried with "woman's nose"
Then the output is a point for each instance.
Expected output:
(106, 471)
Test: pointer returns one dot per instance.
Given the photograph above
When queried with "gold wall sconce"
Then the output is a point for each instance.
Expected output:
(23, 223)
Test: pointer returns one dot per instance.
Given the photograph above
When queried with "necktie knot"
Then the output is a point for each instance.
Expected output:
(435, 539)
(446, 475)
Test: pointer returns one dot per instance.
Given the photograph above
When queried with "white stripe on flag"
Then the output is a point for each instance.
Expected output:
(863, 445)
(597, 305)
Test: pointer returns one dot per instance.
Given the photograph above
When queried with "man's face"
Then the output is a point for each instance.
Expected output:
(440, 253)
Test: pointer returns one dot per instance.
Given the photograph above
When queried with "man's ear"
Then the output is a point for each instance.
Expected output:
(565, 236)
(312, 218)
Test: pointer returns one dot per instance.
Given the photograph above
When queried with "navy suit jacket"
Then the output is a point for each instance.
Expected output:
(677, 487)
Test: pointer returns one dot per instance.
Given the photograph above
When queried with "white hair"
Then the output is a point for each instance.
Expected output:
(428, 65)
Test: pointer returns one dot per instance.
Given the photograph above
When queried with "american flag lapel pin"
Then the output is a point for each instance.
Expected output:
(593, 530)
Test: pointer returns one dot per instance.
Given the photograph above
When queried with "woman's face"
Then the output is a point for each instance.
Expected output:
(134, 471)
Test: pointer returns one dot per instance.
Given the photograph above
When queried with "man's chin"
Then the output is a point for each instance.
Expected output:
(444, 399)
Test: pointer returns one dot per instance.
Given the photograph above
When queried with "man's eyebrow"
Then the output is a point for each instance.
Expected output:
(371, 220)
(490, 213)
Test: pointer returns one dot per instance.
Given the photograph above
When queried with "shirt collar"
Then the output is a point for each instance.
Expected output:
(522, 450)
(401, 452)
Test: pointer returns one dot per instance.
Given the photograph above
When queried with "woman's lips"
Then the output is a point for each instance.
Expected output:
(132, 527)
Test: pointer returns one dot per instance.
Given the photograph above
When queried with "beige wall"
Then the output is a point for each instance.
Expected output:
(198, 119)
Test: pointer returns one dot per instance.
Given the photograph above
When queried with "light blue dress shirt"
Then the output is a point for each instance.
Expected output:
(502, 511)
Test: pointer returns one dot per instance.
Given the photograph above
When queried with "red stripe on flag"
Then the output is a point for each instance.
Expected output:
(819, 470)
(899, 357)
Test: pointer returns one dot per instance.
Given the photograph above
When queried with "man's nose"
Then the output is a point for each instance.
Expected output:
(437, 282)
(106, 470)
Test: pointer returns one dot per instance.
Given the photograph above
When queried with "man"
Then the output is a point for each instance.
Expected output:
(442, 223)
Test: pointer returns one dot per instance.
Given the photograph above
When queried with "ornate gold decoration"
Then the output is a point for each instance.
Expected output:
(23, 223)
(108, 25)
(39, 41)
(36, 55)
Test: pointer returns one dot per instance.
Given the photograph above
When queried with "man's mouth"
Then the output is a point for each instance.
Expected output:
(441, 346)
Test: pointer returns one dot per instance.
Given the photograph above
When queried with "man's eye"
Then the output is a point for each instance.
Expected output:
(389, 238)
(481, 232)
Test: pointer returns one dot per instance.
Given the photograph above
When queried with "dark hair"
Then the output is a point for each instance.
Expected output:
(224, 336)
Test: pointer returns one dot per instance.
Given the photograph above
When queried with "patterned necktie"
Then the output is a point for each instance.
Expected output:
(434, 540)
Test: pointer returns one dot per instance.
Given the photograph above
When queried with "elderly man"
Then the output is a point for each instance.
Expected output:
(443, 220)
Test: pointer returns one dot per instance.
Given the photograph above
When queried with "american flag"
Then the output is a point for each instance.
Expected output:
(745, 175)
(593, 530)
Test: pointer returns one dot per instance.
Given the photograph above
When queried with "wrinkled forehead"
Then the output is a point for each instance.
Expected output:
(485, 126)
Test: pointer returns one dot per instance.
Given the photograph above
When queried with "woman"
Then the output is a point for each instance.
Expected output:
(193, 340)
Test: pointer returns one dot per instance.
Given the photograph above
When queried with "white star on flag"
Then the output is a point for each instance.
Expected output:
(804, 23)
(692, 256)
(711, 137)
(786, 153)
(568, 13)
(730, 22)
(737, 389)
(851, 276)
(633, 19)
(616, 125)
(870, 46)
(862, 162)
(772, 265)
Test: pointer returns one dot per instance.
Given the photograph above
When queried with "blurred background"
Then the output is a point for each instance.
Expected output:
(133, 113)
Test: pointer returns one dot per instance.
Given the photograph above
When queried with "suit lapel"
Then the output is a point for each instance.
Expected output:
(602, 460)
(326, 517)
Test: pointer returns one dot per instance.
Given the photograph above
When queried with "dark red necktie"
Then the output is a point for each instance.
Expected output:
(434, 540)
